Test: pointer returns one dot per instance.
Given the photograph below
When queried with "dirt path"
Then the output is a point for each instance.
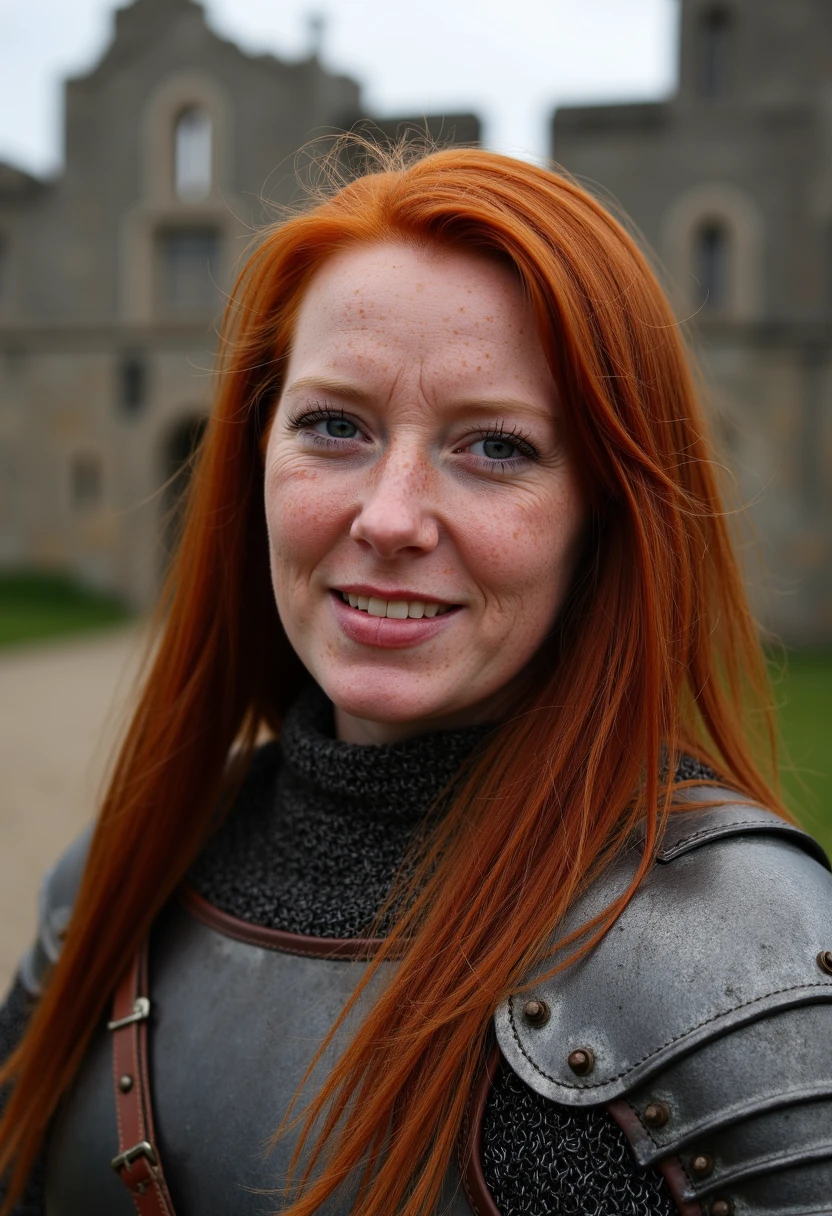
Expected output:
(61, 706)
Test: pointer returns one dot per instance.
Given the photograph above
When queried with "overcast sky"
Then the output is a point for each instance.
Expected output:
(511, 61)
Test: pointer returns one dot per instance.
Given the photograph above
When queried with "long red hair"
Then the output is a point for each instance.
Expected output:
(655, 651)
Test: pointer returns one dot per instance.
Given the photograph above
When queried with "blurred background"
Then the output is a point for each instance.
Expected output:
(143, 146)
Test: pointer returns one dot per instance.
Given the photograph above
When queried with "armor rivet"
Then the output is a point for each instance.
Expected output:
(702, 1165)
(722, 1207)
(536, 1013)
(656, 1114)
(125, 1083)
(581, 1061)
(825, 961)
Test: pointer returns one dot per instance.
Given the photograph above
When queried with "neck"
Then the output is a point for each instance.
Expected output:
(489, 712)
(349, 729)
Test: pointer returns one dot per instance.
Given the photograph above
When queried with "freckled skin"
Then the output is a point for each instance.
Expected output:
(411, 500)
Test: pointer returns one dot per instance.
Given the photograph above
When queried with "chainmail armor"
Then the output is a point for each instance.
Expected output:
(314, 843)
(543, 1159)
(321, 828)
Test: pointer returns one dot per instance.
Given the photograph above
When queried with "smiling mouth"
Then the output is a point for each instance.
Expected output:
(398, 610)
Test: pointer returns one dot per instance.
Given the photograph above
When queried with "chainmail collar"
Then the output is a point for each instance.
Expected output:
(397, 781)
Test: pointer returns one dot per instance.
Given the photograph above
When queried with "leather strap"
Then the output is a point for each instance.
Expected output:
(137, 1162)
(671, 1168)
(469, 1142)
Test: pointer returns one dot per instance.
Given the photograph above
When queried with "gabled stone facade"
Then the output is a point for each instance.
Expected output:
(730, 183)
(178, 148)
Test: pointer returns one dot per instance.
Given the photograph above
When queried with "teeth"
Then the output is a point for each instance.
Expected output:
(397, 610)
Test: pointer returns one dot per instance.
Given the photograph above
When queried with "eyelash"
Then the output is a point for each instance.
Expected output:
(518, 439)
(308, 418)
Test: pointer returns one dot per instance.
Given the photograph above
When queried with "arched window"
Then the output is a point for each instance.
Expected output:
(715, 53)
(193, 155)
(712, 265)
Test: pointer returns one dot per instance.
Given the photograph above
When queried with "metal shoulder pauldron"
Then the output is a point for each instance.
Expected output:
(58, 893)
(703, 1019)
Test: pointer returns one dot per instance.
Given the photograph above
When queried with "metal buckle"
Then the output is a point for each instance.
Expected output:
(141, 1010)
(144, 1149)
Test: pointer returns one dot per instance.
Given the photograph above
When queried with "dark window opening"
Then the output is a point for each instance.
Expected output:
(715, 54)
(86, 480)
(178, 458)
(133, 384)
(188, 266)
(712, 255)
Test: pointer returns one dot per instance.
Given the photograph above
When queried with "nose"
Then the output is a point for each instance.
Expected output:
(396, 513)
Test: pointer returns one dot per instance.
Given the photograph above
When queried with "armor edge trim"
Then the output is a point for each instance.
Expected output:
(347, 948)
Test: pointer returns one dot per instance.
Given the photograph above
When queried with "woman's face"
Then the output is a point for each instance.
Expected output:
(423, 511)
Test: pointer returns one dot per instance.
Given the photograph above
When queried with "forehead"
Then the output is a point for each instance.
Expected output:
(380, 309)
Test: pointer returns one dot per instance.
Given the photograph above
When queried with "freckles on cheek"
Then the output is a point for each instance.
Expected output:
(524, 553)
(300, 516)
(509, 547)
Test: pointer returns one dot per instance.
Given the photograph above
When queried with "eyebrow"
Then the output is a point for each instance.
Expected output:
(327, 384)
(481, 405)
(499, 405)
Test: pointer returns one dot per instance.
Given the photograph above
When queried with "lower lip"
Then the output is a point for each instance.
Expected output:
(385, 632)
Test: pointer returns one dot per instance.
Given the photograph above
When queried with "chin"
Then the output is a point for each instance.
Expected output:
(385, 701)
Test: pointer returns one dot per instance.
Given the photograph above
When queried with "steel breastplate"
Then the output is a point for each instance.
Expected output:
(234, 1027)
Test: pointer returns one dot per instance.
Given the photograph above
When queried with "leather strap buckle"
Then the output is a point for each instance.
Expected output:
(125, 1161)
(141, 1011)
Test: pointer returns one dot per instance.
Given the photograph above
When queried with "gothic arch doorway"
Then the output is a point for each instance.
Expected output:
(180, 444)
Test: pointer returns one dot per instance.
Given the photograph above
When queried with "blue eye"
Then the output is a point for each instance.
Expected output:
(497, 448)
(321, 425)
(502, 450)
(338, 428)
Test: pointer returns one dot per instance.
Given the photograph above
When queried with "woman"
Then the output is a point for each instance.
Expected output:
(458, 476)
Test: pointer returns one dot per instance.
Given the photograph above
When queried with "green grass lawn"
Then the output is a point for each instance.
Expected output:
(805, 697)
(36, 606)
